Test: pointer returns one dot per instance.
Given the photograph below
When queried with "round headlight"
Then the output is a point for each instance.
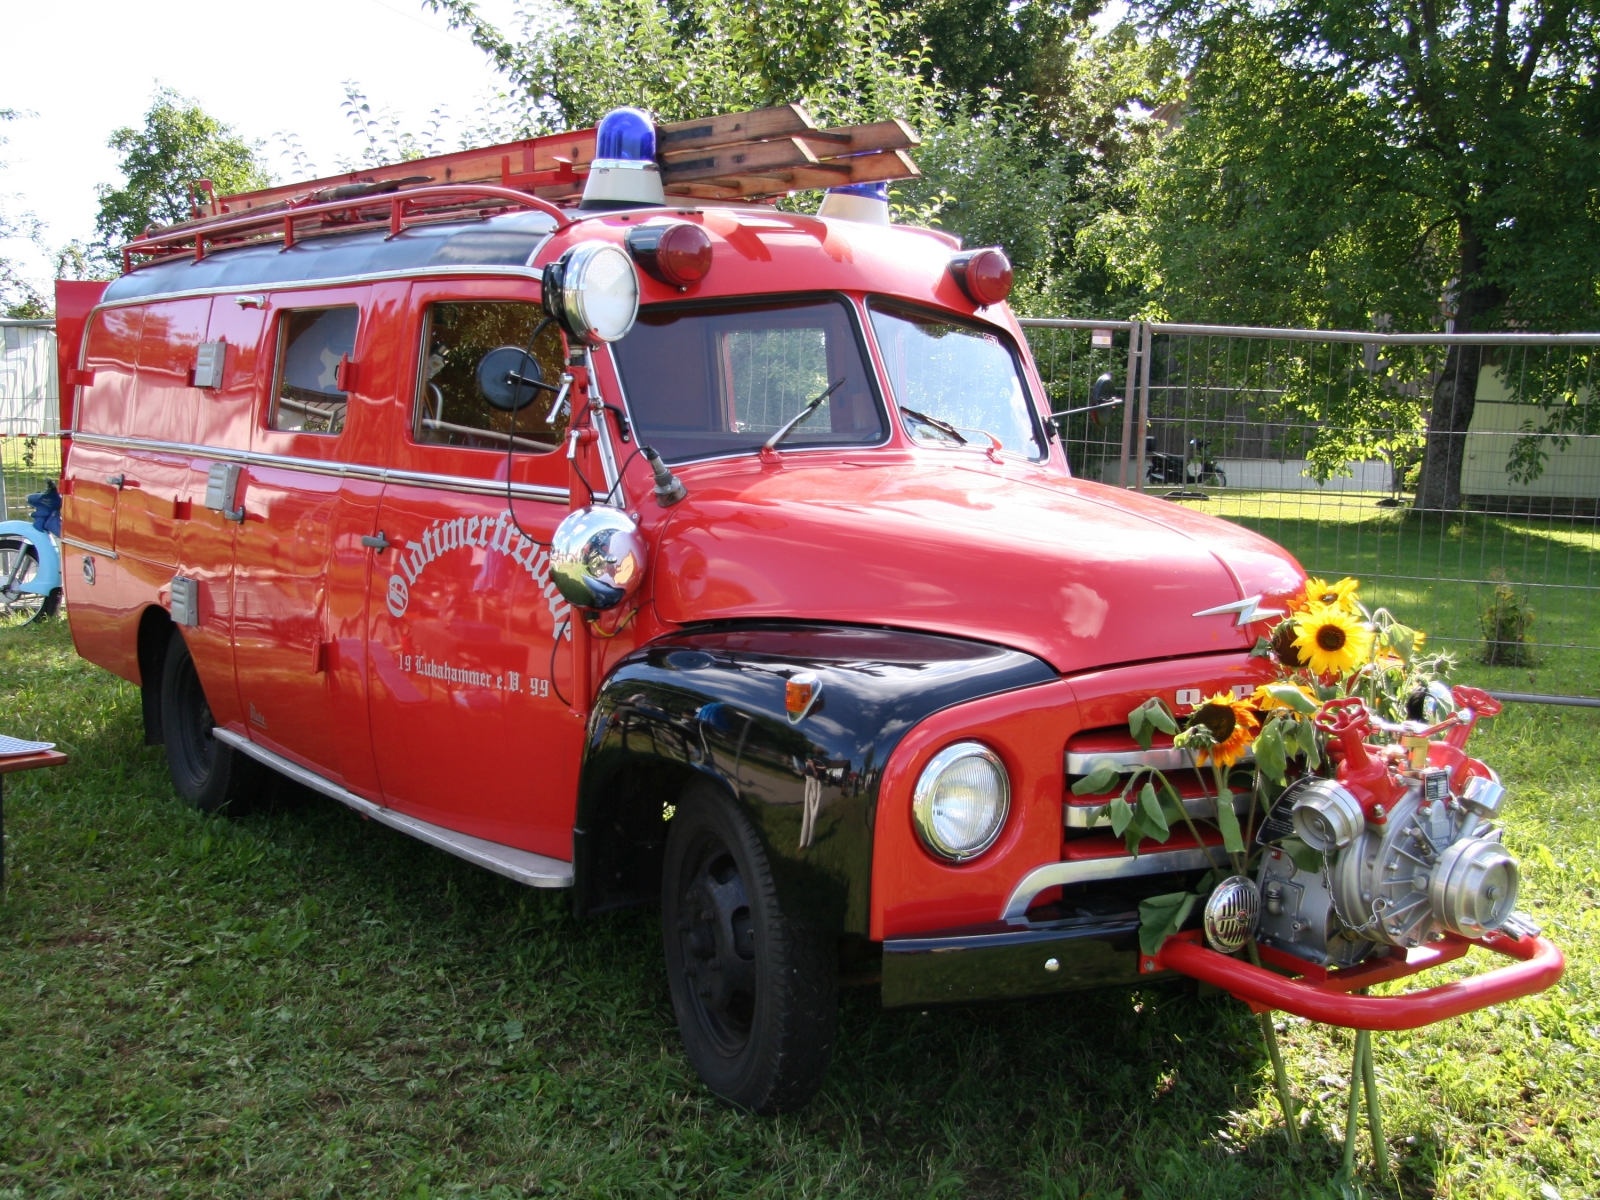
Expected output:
(593, 291)
(961, 801)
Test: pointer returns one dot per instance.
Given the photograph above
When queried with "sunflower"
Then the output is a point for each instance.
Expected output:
(1283, 636)
(1232, 725)
(1331, 641)
(1319, 594)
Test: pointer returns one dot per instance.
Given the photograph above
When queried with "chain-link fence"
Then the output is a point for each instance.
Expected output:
(30, 421)
(1457, 476)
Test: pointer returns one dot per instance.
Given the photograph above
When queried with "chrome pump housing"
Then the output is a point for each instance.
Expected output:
(1431, 865)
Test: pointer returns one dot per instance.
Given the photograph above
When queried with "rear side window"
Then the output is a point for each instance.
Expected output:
(490, 376)
(312, 342)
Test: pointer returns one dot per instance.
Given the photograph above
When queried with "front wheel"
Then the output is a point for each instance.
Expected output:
(755, 993)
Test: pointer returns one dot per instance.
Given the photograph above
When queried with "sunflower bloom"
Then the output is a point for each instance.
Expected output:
(1232, 725)
(1331, 641)
(1321, 594)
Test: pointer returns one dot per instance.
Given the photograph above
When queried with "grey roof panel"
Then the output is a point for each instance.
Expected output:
(505, 241)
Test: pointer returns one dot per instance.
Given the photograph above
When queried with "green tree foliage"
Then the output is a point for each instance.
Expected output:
(178, 144)
(1000, 165)
(1346, 162)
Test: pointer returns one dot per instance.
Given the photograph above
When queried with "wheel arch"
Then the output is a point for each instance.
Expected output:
(709, 703)
(155, 632)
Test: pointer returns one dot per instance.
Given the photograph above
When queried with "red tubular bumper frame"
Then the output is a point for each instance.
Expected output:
(1539, 964)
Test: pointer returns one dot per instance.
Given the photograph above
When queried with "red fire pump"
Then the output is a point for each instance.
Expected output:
(1406, 871)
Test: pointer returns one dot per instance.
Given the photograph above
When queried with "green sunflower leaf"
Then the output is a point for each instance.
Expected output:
(1287, 693)
(1228, 822)
(1121, 813)
(1154, 820)
(1162, 916)
(1102, 775)
(1272, 758)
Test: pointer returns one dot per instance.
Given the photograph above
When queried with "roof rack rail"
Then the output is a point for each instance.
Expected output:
(754, 155)
(280, 222)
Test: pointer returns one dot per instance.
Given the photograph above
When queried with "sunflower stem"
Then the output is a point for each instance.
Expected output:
(1280, 1074)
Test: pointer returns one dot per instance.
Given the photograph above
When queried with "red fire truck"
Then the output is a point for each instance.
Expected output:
(571, 507)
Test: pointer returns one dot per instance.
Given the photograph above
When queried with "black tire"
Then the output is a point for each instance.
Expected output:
(1215, 478)
(209, 774)
(761, 1034)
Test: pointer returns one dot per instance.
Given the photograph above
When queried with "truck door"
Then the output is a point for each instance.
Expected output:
(467, 721)
(308, 495)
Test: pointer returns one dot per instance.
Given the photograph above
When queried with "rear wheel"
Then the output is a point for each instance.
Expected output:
(209, 774)
(19, 564)
(754, 993)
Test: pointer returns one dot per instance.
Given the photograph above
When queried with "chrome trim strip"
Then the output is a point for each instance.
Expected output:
(1097, 870)
(1168, 758)
(315, 466)
(89, 546)
(1077, 816)
(296, 285)
(523, 866)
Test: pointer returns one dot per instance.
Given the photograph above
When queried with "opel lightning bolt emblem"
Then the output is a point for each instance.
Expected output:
(1249, 610)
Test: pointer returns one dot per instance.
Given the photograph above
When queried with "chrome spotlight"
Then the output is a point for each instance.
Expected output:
(597, 557)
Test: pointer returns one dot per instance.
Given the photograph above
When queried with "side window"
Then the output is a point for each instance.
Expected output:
(490, 374)
(312, 342)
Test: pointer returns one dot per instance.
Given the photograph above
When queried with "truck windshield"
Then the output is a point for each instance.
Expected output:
(953, 382)
(709, 381)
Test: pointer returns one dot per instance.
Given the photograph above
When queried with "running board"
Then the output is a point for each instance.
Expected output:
(524, 866)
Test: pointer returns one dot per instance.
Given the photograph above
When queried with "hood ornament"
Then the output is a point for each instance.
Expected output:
(1249, 610)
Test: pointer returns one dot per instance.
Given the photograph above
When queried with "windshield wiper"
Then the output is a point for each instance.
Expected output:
(934, 423)
(811, 406)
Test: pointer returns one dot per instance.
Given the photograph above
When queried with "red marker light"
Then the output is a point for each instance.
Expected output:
(676, 252)
(984, 275)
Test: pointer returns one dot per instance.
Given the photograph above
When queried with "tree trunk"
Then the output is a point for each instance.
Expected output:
(1455, 394)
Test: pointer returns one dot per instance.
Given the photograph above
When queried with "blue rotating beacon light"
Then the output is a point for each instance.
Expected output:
(864, 202)
(624, 172)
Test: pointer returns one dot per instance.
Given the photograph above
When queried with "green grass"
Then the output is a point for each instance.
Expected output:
(296, 1003)
(25, 463)
(1438, 575)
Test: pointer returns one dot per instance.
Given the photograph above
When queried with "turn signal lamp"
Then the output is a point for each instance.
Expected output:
(624, 172)
(800, 692)
(867, 203)
(984, 275)
(676, 252)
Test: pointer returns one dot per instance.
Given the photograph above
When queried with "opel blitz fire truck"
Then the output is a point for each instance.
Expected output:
(571, 507)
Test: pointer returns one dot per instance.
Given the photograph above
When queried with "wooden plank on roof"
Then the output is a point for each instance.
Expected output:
(856, 139)
(882, 167)
(745, 158)
(753, 126)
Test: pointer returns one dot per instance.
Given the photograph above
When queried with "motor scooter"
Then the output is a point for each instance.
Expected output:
(30, 562)
(1196, 467)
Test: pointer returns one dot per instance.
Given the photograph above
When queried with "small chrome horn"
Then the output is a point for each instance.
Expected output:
(597, 557)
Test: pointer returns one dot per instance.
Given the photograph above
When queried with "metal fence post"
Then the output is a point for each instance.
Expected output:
(1129, 399)
(1144, 329)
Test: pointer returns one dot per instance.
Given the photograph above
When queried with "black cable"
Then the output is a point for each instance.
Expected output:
(628, 463)
(554, 645)
(511, 437)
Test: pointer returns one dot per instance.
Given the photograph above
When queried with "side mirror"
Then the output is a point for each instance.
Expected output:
(509, 378)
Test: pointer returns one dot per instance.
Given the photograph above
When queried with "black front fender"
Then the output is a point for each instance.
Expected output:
(709, 702)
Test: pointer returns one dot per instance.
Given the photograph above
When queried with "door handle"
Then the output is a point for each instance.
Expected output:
(379, 543)
(117, 481)
(234, 514)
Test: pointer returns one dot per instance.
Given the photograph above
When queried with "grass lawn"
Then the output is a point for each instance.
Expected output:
(1438, 575)
(296, 1002)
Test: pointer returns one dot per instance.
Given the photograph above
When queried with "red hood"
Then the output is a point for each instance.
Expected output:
(1079, 574)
